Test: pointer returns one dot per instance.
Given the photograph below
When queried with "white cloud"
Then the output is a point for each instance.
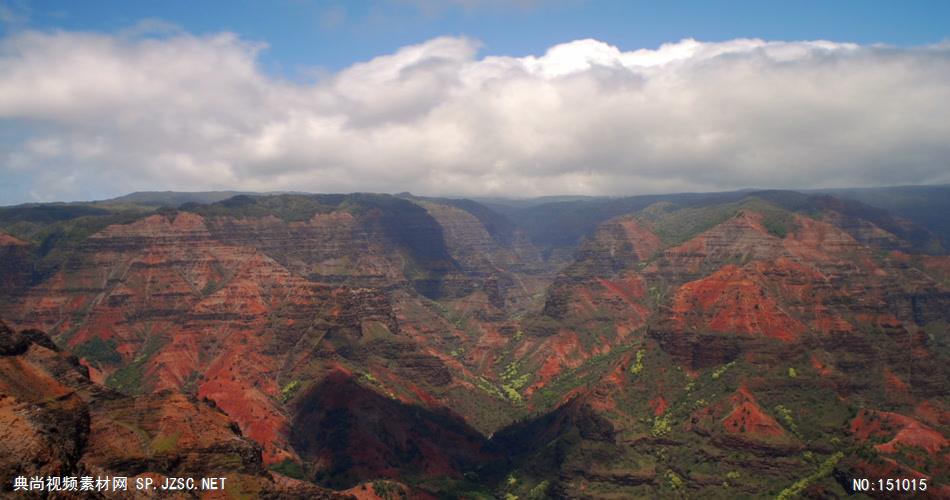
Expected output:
(89, 115)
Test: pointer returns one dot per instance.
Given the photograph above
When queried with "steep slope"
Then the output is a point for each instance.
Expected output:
(188, 302)
(15, 263)
(57, 422)
(350, 432)
(926, 206)
(766, 333)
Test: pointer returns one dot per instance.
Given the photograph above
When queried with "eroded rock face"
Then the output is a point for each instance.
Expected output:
(739, 421)
(169, 432)
(732, 301)
(757, 344)
(738, 240)
(905, 446)
(815, 280)
(56, 421)
(243, 312)
(44, 422)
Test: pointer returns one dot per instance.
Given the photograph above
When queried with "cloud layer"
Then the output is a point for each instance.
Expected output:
(88, 115)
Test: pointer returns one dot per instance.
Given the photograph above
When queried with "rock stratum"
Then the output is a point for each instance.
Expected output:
(375, 346)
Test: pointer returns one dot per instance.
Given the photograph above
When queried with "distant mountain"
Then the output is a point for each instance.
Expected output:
(563, 224)
(927, 206)
(173, 198)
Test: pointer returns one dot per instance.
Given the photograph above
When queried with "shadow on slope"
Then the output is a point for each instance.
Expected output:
(350, 433)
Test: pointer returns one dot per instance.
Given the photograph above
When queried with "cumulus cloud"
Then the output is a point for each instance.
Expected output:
(85, 115)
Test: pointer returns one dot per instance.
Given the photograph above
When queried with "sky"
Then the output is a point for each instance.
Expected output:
(470, 97)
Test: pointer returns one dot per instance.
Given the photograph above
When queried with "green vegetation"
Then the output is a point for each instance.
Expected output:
(287, 207)
(99, 352)
(777, 221)
(673, 480)
(513, 381)
(374, 330)
(678, 226)
(166, 443)
(387, 490)
(662, 425)
(718, 372)
(775, 227)
(682, 225)
(128, 379)
(469, 488)
(637, 366)
(658, 292)
(936, 331)
(55, 238)
(799, 486)
(289, 468)
(488, 387)
(509, 388)
(49, 213)
(786, 416)
(210, 287)
(595, 367)
(540, 491)
(512, 394)
(288, 390)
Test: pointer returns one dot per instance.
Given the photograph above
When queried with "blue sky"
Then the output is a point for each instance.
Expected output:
(470, 97)
(333, 34)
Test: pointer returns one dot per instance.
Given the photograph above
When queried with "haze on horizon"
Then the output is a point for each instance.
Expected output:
(91, 114)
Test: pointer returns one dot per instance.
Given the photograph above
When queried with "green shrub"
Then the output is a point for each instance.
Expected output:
(796, 489)
(289, 468)
(288, 390)
(99, 352)
(637, 367)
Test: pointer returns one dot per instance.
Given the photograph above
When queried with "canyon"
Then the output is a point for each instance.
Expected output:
(753, 343)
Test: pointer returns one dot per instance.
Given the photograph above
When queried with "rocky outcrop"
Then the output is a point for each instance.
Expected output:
(160, 304)
(732, 301)
(906, 448)
(740, 422)
(57, 422)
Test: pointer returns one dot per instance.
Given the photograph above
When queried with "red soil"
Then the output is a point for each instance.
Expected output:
(659, 405)
(900, 429)
(7, 240)
(733, 301)
(747, 417)
(646, 243)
